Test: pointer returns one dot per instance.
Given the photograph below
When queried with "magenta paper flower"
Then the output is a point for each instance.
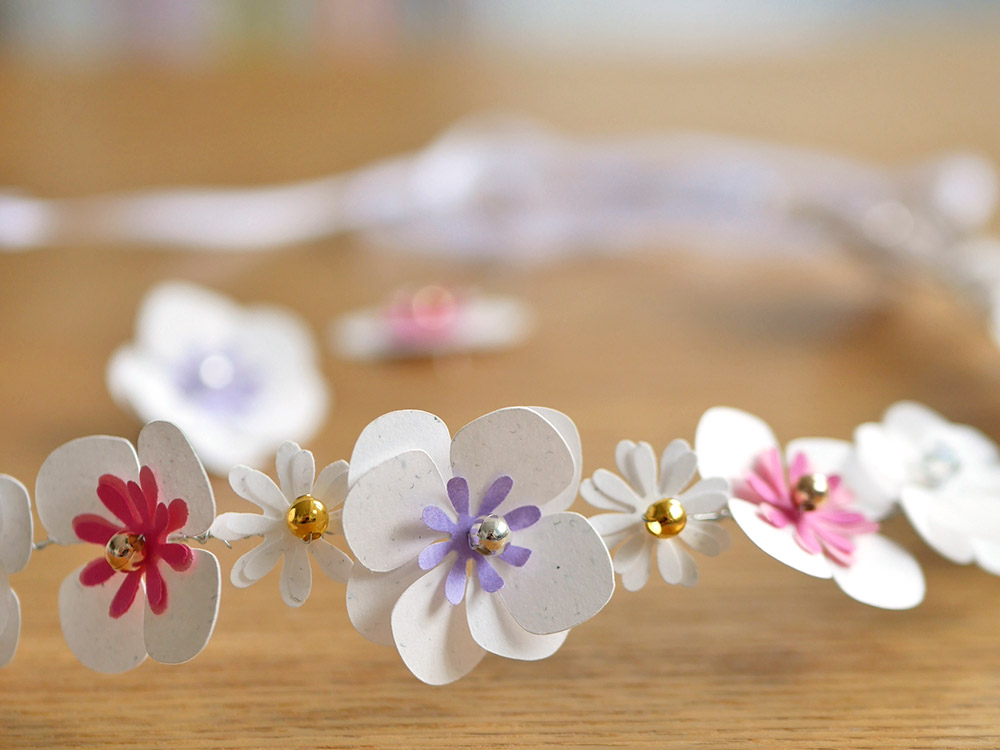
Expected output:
(805, 510)
(140, 508)
(15, 551)
(464, 545)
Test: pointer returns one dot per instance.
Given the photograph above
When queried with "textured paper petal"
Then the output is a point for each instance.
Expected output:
(778, 543)
(987, 555)
(331, 485)
(707, 537)
(567, 428)
(179, 473)
(676, 565)
(594, 496)
(705, 496)
(334, 563)
(614, 527)
(180, 633)
(259, 489)
(519, 443)
(11, 631)
(296, 576)
(631, 551)
(635, 576)
(67, 482)
(303, 472)
(396, 433)
(283, 468)
(431, 634)
(728, 440)
(98, 641)
(614, 487)
(383, 513)
(15, 524)
(623, 460)
(371, 597)
(922, 509)
(5, 610)
(567, 580)
(494, 629)
(883, 574)
(259, 561)
(677, 468)
(644, 462)
(230, 527)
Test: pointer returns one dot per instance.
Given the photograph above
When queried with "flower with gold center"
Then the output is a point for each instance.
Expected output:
(301, 513)
(655, 514)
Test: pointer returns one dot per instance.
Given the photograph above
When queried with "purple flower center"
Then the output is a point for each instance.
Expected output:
(219, 381)
(463, 536)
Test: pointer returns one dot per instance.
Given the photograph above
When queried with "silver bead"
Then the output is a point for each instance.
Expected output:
(489, 535)
(939, 464)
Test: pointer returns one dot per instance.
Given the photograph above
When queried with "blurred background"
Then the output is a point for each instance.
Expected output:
(857, 106)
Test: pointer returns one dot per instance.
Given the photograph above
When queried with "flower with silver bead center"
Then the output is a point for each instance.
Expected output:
(489, 535)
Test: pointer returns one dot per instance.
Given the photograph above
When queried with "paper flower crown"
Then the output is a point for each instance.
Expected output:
(465, 545)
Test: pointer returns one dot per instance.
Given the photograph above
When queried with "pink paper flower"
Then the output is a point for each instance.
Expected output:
(140, 506)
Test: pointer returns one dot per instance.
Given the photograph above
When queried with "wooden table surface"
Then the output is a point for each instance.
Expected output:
(756, 655)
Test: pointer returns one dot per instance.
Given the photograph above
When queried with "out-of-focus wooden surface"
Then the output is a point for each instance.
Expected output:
(756, 655)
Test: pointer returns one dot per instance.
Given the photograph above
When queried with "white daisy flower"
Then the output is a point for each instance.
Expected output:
(238, 381)
(15, 551)
(945, 476)
(655, 515)
(297, 517)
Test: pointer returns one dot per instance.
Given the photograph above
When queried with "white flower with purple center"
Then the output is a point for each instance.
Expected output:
(15, 551)
(946, 477)
(239, 381)
(423, 509)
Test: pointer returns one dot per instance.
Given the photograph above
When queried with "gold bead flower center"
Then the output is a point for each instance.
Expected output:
(125, 552)
(307, 518)
(665, 518)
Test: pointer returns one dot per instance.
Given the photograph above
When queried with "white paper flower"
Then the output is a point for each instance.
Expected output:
(295, 517)
(807, 517)
(423, 509)
(945, 476)
(139, 508)
(653, 516)
(15, 551)
(238, 381)
(432, 320)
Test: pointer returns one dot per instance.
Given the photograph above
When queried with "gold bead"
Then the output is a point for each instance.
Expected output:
(665, 518)
(489, 536)
(307, 518)
(811, 491)
(125, 552)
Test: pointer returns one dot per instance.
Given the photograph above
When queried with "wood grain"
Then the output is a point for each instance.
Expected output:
(756, 655)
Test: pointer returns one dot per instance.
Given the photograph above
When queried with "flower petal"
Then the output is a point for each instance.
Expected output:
(987, 555)
(614, 527)
(519, 443)
(677, 468)
(11, 631)
(179, 474)
(634, 577)
(259, 489)
(296, 576)
(431, 634)
(708, 537)
(5, 610)
(383, 513)
(913, 420)
(923, 510)
(675, 564)
(596, 498)
(183, 630)
(331, 485)
(433, 555)
(614, 487)
(15, 525)
(493, 628)
(728, 441)
(567, 580)
(826, 455)
(98, 641)
(644, 462)
(705, 496)
(778, 543)
(371, 597)
(95, 529)
(396, 433)
(632, 550)
(67, 482)
(283, 468)
(883, 574)
(567, 428)
(96, 572)
(458, 494)
(261, 559)
(303, 472)
(230, 527)
(523, 517)
(332, 561)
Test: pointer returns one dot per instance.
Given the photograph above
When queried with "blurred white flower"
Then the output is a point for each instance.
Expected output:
(238, 381)
(15, 550)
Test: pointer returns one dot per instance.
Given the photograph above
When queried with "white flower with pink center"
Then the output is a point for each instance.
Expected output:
(298, 518)
(15, 551)
(946, 477)
(657, 516)
(464, 546)
(146, 591)
(805, 508)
